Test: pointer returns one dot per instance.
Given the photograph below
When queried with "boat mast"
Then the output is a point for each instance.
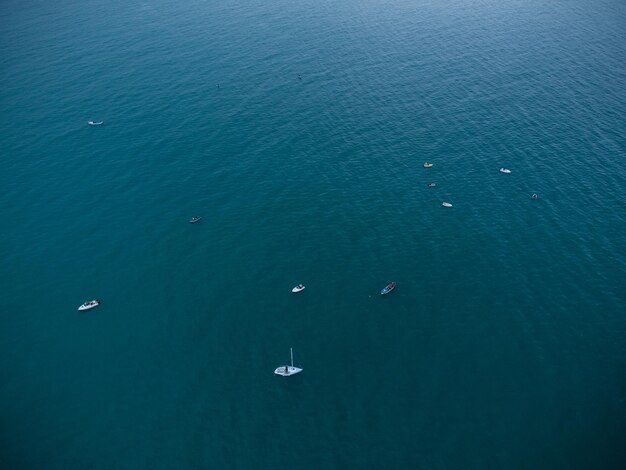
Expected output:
(291, 349)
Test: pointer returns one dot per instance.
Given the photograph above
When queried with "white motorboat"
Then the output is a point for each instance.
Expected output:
(427, 164)
(298, 288)
(504, 170)
(446, 204)
(89, 305)
(194, 219)
(95, 123)
(288, 370)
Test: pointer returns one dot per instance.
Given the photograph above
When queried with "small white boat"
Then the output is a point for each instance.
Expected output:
(427, 164)
(431, 185)
(504, 170)
(446, 204)
(534, 196)
(388, 288)
(298, 288)
(288, 370)
(194, 219)
(89, 305)
(95, 123)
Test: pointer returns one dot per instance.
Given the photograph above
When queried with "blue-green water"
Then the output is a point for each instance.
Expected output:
(504, 345)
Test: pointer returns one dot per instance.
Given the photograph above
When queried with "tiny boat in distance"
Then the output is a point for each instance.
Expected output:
(298, 288)
(388, 288)
(194, 219)
(95, 123)
(427, 164)
(504, 170)
(446, 204)
(432, 185)
(287, 370)
(534, 196)
(89, 305)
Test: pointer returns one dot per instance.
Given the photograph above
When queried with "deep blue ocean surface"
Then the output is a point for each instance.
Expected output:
(297, 130)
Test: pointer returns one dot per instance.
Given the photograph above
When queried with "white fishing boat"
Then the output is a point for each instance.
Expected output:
(194, 219)
(446, 204)
(288, 370)
(89, 305)
(504, 170)
(95, 123)
(427, 164)
(388, 288)
(298, 288)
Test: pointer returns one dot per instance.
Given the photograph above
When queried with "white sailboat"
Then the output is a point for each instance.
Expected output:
(287, 370)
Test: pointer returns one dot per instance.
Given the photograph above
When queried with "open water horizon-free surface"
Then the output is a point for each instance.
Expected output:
(297, 130)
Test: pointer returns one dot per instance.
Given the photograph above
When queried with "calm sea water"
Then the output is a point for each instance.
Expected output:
(297, 130)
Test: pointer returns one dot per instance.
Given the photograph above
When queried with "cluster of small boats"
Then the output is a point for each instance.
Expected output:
(432, 184)
(447, 204)
(388, 288)
(289, 370)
